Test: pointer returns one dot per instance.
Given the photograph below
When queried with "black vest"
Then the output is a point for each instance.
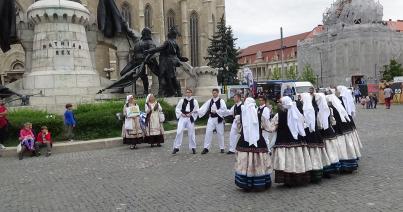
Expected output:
(237, 110)
(215, 115)
(259, 117)
(192, 106)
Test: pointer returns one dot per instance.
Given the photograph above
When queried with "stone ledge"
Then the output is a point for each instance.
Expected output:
(80, 146)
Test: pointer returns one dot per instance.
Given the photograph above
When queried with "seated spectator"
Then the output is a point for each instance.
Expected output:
(27, 140)
(44, 139)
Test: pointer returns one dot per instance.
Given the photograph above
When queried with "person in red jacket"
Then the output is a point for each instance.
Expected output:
(44, 139)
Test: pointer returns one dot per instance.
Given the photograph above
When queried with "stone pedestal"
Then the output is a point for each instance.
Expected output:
(61, 63)
(206, 80)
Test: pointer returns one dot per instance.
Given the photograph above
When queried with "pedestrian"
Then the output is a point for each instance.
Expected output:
(288, 92)
(291, 160)
(264, 114)
(216, 109)
(348, 153)
(235, 111)
(253, 164)
(3, 124)
(363, 102)
(154, 122)
(27, 140)
(132, 132)
(186, 112)
(69, 122)
(328, 135)
(368, 101)
(375, 100)
(44, 139)
(388, 95)
(313, 138)
(357, 94)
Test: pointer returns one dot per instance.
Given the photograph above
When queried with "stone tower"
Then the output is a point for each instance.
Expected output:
(61, 63)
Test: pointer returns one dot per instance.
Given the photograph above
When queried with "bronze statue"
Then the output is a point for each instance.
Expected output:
(8, 32)
(170, 58)
(139, 56)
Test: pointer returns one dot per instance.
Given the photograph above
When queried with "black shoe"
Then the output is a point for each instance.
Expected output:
(175, 151)
(193, 150)
(159, 145)
(222, 151)
(133, 147)
(205, 151)
(152, 145)
(230, 153)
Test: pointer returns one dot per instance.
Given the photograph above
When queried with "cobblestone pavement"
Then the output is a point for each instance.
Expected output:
(151, 179)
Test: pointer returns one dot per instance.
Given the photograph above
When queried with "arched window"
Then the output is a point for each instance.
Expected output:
(194, 39)
(126, 13)
(214, 24)
(170, 19)
(148, 14)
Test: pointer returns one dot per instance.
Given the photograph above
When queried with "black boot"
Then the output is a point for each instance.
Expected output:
(222, 151)
(205, 151)
(193, 150)
(175, 151)
(230, 153)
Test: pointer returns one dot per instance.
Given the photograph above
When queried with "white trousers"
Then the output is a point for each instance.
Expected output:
(212, 125)
(233, 137)
(185, 123)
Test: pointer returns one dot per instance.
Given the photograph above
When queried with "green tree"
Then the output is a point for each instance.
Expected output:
(276, 73)
(394, 69)
(291, 73)
(223, 54)
(308, 75)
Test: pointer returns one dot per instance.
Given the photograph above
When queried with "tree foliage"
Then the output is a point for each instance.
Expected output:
(291, 73)
(308, 75)
(394, 69)
(223, 54)
(276, 73)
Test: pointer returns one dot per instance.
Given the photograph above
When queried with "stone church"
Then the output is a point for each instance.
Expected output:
(196, 21)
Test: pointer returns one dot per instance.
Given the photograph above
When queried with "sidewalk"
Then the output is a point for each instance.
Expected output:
(78, 146)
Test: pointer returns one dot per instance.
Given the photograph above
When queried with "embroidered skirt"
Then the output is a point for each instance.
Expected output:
(252, 170)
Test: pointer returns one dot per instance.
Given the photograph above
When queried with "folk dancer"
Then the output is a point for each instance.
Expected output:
(253, 163)
(234, 112)
(291, 160)
(154, 122)
(347, 152)
(216, 109)
(264, 114)
(132, 132)
(329, 136)
(186, 112)
(315, 144)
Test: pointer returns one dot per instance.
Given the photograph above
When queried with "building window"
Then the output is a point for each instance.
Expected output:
(170, 19)
(214, 24)
(126, 13)
(148, 16)
(194, 39)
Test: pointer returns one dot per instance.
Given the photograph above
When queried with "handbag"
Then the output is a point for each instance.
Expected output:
(19, 148)
(162, 117)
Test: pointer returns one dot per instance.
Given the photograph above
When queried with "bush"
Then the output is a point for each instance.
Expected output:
(17, 119)
(98, 120)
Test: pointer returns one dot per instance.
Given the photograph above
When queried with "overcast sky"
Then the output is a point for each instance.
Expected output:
(256, 21)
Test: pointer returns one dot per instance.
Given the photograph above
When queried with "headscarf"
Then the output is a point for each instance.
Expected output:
(324, 110)
(250, 122)
(309, 111)
(347, 99)
(295, 120)
(128, 98)
(339, 107)
(148, 98)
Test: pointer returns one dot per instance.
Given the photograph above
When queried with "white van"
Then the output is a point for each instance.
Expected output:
(297, 87)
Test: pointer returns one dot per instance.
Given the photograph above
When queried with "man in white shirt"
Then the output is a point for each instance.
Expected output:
(216, 109)
(264, 113)
(234, 112)
(186, 112)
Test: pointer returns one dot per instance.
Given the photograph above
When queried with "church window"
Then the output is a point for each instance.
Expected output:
(126, 13)
(194, 39)
(170, 19)
(148, 16)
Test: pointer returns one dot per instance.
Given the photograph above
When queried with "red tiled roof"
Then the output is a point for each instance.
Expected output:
(396, 25)
(290, 41)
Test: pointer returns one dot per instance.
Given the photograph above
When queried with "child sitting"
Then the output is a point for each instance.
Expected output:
(27, 140)
(44, 139)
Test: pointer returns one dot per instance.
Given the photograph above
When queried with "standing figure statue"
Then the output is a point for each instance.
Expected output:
(139, 56)
(170, 58)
